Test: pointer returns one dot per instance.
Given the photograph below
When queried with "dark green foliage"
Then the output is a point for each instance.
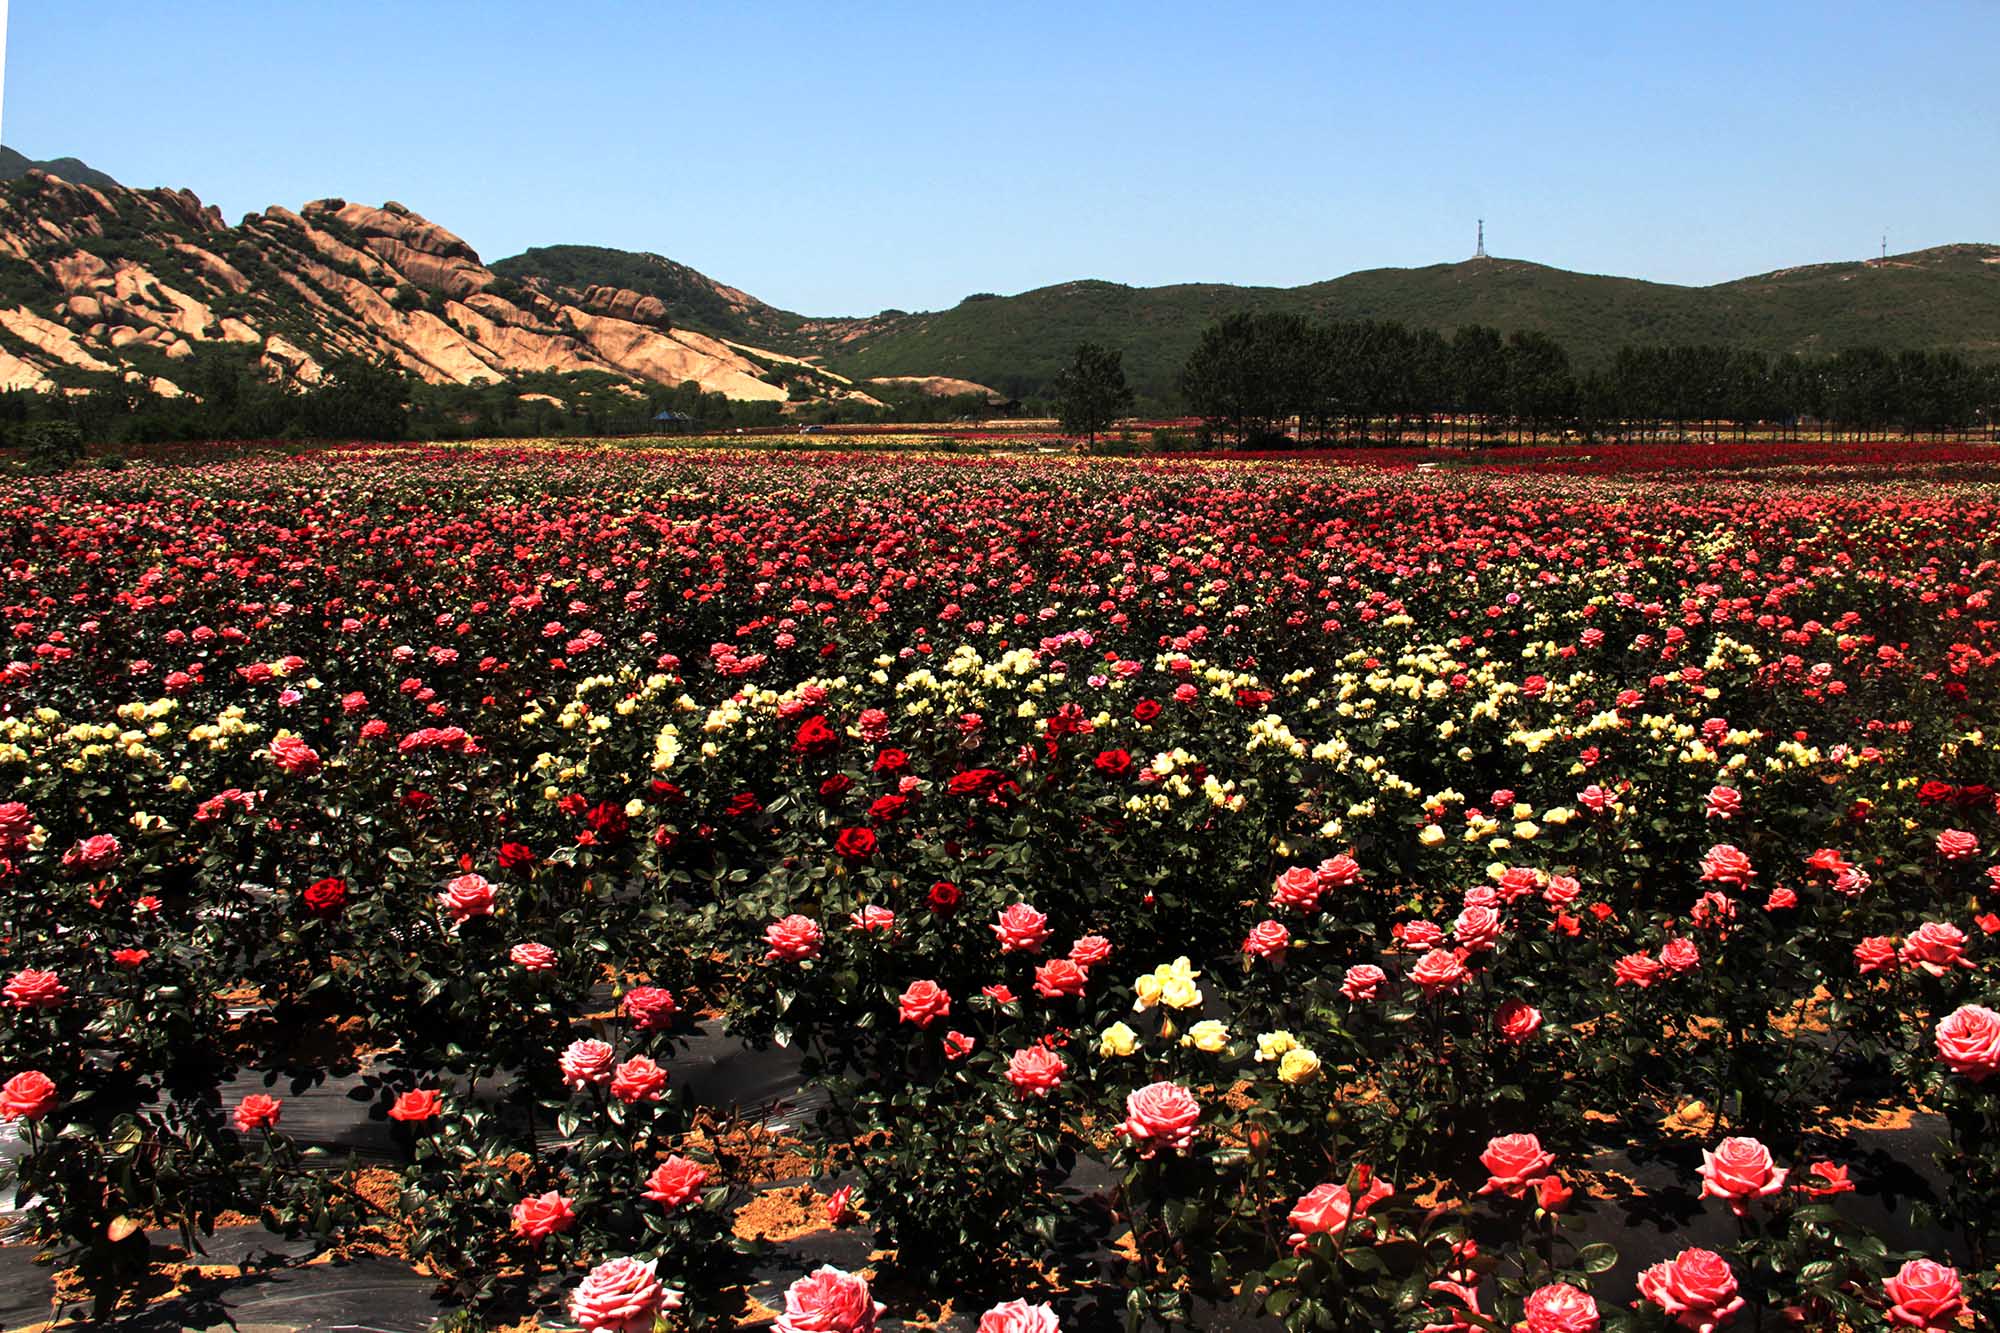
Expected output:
(1091, 392)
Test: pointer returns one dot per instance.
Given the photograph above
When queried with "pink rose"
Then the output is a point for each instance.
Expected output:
(1936, 947)
(829, 1301)
(1021, 929)
(99, 852)
(1680, 955)
(1559, 1308)
(1725, 864)
(1514, 1163)
(923, 1003)
(1362, 982)
(418, 1106)
(27, 1096)
(1476, 929)
(466, 897)
(621, 1296)
(872, 920)
(1160, 1115)
(586, 1062)
(256, 1111)
(792, 939)
(1925, 1295)
(1957, 845)
(1019, 1317)
(1327, 1209)
(649, 1007)
(533, 957)
(540, 1216)
(1968, 1041)
(1438, 971)
(1723, 803)
(1089, 951)
(1739, 1170)
(675, 1181)
(1877, 953)
(31, 989)
(1058, 978)
(1517, 1020)
(1267, 939)
(1636, 969)
(1338, 872)
(1695, 1289)
(1036, 1071)
(293, 755)
(957, 1045)
(1298, 889)
(638, 1080)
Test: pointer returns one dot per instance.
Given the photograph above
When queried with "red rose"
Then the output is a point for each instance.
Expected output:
(1160, 1115)
(256, 1111)
(855, 844)
(326, 897)
(517, 856)
(1146, 710)
(1968, 1041)
(1924, 1295)
(923, 1003)
(957, 1045)
(1113, 763)
(27, 1096)
(675, 1181)
(1695, 1289)
(540, 1216)
(943, 896)
(423, 1104)
(1738, 1171)
(1514, 1163)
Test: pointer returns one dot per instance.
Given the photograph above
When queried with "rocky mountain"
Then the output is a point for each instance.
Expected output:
(99, 283)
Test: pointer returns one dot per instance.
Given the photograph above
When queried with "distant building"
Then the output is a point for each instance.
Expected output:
(673, 423)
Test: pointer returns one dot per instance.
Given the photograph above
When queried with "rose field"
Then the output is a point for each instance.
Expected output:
(623, 888)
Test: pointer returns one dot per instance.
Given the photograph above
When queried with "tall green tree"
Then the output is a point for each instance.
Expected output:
(1091, 392)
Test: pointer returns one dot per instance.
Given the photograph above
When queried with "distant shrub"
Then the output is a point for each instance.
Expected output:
(50, 446)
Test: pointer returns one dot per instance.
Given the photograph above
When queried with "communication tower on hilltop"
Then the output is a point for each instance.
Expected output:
(1479, 250)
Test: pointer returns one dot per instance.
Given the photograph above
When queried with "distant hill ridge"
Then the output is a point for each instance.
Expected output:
(98, 280)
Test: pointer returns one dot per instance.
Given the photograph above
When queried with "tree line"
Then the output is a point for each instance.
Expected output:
(1268, 376)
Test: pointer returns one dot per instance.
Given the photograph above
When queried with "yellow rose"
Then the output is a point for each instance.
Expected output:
(1117, 1040)
(1148, 989)
(1299, 1066)
(1208, 1036)
(1180, 993)
(1275, 1045)
(1431, 836)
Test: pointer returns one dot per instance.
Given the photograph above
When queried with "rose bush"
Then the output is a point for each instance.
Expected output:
(1282, 846)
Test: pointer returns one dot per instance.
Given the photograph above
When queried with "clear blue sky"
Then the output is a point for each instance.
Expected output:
(842, 158)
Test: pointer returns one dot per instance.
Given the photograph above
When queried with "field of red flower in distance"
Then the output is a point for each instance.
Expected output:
(1554, 898)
